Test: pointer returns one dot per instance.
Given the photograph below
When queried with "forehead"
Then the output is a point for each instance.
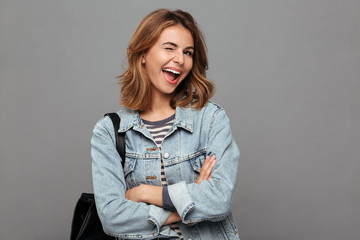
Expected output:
(176, 34)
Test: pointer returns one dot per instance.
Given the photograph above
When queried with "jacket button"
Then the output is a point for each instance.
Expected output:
(166, 155)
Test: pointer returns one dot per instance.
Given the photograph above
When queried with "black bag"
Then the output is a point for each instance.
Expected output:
(86, 224)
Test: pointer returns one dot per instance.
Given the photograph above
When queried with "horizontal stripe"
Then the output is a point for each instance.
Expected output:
(172, 117)
(158, 140)
(166, 125)
(158, 130)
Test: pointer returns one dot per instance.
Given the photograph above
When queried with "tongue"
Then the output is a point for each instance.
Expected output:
(169, 76)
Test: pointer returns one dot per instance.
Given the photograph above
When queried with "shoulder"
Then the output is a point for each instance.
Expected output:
(216, 115)
(211, 109)
(211, 114)
(128, 118)
(212, 106)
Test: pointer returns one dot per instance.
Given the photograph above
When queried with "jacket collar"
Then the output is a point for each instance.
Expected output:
(184, 118)
(131, 119)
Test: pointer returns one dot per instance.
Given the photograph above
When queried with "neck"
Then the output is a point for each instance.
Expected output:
(159, 109)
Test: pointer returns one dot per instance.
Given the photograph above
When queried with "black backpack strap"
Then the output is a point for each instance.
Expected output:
(120, 137)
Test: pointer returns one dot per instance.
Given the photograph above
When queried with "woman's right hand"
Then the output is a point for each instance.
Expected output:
(206, 169)
(205, 174)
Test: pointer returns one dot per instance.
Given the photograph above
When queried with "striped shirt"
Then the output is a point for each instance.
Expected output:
(158, 130)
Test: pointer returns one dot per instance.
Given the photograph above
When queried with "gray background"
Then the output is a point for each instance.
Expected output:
(286, 71)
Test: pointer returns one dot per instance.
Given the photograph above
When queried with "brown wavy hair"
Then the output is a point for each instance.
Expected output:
(194, 91)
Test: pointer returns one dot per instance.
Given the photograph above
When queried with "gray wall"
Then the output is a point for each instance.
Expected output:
(286, 71)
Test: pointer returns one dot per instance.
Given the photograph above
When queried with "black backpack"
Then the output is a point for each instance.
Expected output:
(86, 224)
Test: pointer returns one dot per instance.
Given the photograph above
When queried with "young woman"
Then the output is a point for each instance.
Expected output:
(181, 160)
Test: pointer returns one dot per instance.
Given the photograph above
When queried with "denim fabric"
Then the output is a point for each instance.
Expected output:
(204, 208)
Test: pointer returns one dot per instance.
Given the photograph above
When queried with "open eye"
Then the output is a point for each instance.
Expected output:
(189, 53)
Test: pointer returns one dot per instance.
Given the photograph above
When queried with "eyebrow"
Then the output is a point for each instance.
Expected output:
(175, 45)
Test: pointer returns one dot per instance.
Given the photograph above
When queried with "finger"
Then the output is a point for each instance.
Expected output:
(206, 163)
(211, 169)
(203, 175)
(208, 171)
(199, 179)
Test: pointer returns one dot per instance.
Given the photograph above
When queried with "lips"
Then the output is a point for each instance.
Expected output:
(171, 75)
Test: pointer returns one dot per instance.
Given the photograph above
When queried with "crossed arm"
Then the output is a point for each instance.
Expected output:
(153, 194)
(126, 213)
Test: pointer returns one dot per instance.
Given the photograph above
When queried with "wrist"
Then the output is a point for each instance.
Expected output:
(174, 217)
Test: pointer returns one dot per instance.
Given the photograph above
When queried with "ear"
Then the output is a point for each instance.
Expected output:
(143, 59)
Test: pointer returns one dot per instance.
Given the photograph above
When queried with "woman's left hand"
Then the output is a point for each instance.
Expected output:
(153, 194)
(206, 169)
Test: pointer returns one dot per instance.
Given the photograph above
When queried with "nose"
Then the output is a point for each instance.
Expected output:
(179, 57)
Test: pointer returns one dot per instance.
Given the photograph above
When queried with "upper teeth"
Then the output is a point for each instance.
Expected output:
(171, 70)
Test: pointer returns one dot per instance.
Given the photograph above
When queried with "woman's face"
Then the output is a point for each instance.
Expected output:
(169, 60)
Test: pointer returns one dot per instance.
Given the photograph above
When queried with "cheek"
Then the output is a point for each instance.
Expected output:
(151, 67)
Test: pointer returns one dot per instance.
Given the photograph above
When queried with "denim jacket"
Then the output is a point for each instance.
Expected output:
(204, 208)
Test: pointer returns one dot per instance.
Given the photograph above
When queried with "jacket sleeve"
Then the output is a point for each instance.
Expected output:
(120, 217)
(211, 200)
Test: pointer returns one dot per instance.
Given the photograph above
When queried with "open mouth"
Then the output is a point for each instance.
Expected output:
(171, 75)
